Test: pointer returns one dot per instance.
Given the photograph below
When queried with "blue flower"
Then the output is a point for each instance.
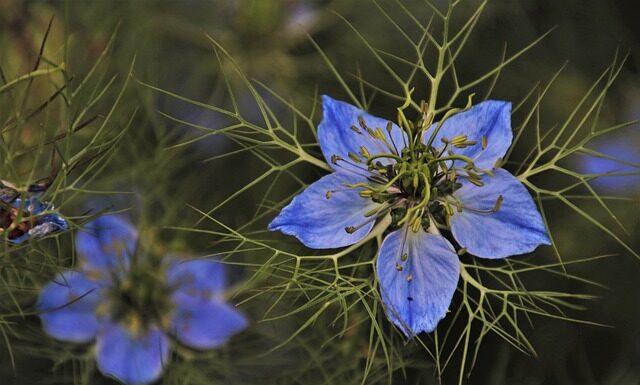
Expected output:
(620, 153)
(439, 182)
(31, 219)
(130, 305)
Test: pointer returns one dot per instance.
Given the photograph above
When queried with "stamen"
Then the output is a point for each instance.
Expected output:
(329, 193)
(381, 212)
(476, 182)
(354, 157)
(492, 210)
(498, 204)
(372, 135)
(362, 123)
(336, 158)
(461, 141)
(376, 179)
(389, 129)
(379, 156)
(466, 144)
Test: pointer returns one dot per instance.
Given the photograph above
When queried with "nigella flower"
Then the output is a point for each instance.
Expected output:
(26, 218)
(130, 305)
(436, 184)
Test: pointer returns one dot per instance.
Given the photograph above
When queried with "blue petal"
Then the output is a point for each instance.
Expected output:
(68, 307)
(20, 239)
(490, 119)
(31, 205)
(337, 138)
(106, 244)
(43, 224)
(204, 324)
(623, 147)
(203, 277)
(516, 228)
(319, 222)
(417, 292)
(132, 359)
(47, 224)
(8, 192)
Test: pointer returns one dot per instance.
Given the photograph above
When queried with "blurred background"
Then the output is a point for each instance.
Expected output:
(165, 44)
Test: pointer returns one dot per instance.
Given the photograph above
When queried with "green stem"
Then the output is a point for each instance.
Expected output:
(31, 75)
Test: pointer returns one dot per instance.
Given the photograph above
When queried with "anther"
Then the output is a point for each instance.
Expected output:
(498, 204)
(476, 182)
(465, 144)
(372, 212)
(354, 157)
(473, 174)
(398, 267)
(389, 127)
(380, 134)
(362, 123)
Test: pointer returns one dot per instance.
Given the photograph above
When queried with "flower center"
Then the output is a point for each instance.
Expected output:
(141, 298)
(412, 181)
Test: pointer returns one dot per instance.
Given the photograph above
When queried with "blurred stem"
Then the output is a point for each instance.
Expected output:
(31, 75)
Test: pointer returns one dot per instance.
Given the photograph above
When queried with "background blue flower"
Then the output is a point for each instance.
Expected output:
(621, 155)
(39, 224)
(83, 306)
